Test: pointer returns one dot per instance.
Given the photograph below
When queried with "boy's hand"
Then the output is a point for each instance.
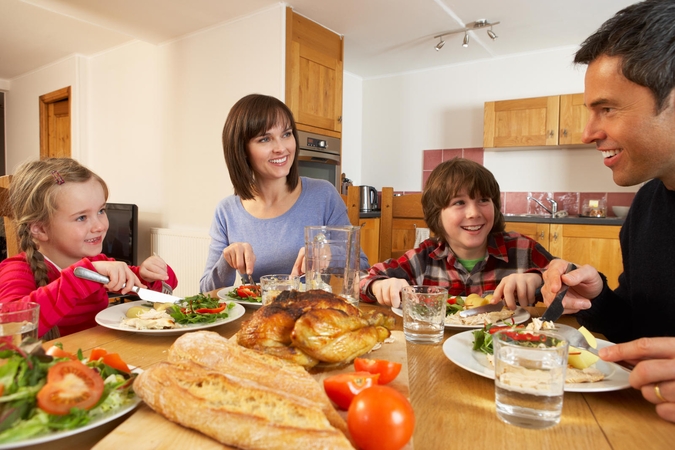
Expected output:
(517, 288)
(388, 292)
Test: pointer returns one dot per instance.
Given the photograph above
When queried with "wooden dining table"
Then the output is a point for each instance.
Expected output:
(454, 408)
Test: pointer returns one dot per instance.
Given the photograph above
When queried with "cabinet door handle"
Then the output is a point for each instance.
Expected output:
(564, 132)
(541, 235)
(555, 236)
(550, 133)
(340, 119)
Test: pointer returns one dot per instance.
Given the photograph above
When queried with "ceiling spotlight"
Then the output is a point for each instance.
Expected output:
(473, 26)
(465, 41)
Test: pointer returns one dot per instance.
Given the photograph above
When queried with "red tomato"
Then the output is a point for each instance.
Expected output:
(57, 352)
(70, 384)
(381, 418)
(388, 370)
(97, 354)
(452, 300)
(343, 387)
(113, 360)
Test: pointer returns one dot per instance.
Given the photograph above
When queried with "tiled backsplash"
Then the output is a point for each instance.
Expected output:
(516, 202)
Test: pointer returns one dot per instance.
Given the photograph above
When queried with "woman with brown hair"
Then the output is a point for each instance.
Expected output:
(260, 229)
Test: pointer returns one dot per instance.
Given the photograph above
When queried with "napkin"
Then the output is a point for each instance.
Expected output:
(421, 234)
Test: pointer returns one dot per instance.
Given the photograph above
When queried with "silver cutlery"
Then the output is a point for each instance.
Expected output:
(144, 294)
(578, 340)
(247, 279)
(482, 309)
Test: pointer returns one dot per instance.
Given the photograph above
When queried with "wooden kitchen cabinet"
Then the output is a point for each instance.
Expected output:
(535, 122)
(597, 245)
(314, 61)
(370, 238)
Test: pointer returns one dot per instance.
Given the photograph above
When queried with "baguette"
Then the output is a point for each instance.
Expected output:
(234, 413)
(214, 352)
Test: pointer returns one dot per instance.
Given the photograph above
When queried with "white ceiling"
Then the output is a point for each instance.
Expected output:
(382, 37)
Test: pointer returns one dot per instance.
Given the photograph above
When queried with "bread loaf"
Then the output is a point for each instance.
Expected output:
(241, 397)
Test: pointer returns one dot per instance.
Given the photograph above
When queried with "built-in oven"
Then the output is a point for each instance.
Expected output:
(319, 157)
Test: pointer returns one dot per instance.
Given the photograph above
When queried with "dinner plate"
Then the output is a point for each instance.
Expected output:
(521, 315)
(459, 349)
(112, 318)
(223, 295)
(97, 422)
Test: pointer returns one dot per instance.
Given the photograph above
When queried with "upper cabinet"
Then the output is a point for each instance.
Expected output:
(535, 122)
(314, 60)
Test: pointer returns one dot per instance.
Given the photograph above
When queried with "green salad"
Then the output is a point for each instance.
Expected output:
(35, 400)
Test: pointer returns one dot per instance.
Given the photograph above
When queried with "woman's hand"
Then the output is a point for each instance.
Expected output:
(299, 265)
(122, 279)
(240, 256)
(388, 291)
(517, 289)
(654, 372)
(153, 269)
(584, 282)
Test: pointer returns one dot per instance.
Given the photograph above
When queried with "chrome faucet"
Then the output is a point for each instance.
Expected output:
(554, 205)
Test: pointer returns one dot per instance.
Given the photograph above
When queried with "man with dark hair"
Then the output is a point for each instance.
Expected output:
(629, 91)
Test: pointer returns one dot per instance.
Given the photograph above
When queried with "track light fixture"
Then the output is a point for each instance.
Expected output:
(477, 25)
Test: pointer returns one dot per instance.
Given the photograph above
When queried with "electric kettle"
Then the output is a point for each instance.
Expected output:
(368, 198)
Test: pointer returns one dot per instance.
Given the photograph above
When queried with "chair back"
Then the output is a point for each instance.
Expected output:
(10, 227)
(400, 217)
(352, 200)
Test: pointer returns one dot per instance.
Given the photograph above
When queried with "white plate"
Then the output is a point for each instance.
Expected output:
(520, 316)
(97, 422)
(112, 318)
(222, 294)
(459, 349)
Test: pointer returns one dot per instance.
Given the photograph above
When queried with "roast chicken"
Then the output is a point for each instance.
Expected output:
(314, 329)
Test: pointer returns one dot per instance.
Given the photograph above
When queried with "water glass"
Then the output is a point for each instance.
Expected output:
(273, 285)
(529, 377)
(424, 313)
(18, 320)
(332, 259)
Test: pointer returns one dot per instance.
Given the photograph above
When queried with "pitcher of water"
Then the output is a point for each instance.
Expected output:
(332, 258)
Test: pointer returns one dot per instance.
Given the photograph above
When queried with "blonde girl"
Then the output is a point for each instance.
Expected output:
(59, 209)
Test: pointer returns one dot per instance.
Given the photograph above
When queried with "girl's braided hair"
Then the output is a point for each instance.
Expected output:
(33, 193)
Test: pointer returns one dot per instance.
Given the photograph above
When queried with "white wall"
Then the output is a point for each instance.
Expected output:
(153, 115)
(352, 116)
(443, 108)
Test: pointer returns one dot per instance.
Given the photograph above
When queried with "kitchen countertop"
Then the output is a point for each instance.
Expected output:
(576, 220)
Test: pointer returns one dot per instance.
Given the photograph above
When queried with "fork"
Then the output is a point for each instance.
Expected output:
(576, 339)
(247, 279)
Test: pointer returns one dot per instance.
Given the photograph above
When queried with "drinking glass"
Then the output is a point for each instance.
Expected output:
(273, 285)
(18, 320)
(529, 377)
(424, 313)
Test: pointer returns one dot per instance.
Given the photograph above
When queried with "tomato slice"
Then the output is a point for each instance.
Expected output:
(57, 352)
(70, 384)
(115, 361)
(248, 290)
(343, 387)
(97, 354)
(388, 370)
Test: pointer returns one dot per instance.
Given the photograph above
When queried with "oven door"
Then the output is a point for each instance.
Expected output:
(324, 166)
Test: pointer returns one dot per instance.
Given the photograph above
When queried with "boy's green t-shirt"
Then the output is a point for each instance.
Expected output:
(469, 263)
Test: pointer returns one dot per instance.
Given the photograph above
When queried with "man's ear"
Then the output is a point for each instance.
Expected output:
(38, 232)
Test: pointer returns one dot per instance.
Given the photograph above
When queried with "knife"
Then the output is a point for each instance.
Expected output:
(556, 308)
(144, 294)
(482, 309)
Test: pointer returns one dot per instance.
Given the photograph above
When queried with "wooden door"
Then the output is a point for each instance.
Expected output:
(370, 239)
(55, 124)
(597, 245)
(537, 231)
(573, 118)
(314, 60)
(521, 123)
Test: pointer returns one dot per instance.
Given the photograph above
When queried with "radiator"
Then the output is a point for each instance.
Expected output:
(185, 252)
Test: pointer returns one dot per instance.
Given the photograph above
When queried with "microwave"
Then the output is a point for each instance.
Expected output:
(319, 157)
